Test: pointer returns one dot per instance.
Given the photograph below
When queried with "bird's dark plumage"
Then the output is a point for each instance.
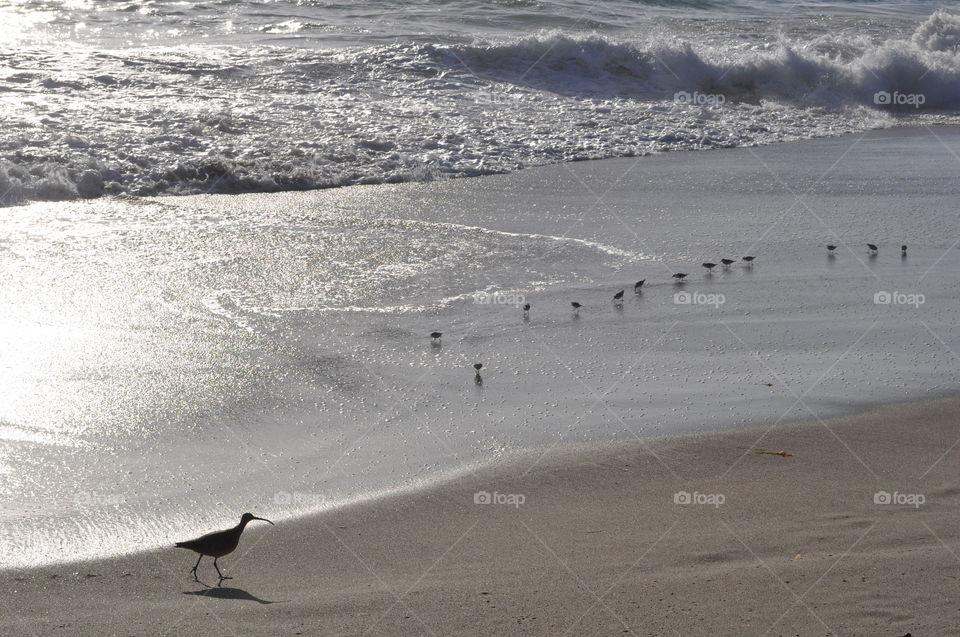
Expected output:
(436, 334)
(575, 305)
(709, 265)
(680, 276)
(831, 248)
(726, 261)
(872, 247)
(618, 295)
(218, 543)
(478, 366)
(638, 285)
(749, 259)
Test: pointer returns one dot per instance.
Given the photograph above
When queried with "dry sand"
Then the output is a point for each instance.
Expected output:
(598, 547)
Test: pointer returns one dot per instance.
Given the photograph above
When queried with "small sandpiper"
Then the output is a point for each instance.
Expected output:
(709, 266)
(618, 298)
(576, 307)
(749, 260)
(873, 249)
(638, 285)
(903, 250)
(526, 310)
(726, 262)
(436, 337)
(680, 276)
(831, 248)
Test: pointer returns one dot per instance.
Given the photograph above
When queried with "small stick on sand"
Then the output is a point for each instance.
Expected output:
(771, 452)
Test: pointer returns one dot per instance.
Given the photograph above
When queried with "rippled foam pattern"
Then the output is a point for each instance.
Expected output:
(172, 98)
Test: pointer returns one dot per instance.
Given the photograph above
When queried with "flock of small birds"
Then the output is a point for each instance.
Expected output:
(679, 278)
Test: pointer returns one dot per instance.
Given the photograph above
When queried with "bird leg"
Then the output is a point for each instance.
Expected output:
(222, 576)
(194, 569)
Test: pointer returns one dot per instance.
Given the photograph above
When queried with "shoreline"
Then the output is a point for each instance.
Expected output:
(804, 527)
(443, 177)
(730, 366)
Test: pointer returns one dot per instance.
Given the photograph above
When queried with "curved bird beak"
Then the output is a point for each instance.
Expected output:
(264, 520)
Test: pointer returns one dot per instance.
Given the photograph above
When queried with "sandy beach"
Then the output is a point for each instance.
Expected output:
(588, 541)
(633, 317)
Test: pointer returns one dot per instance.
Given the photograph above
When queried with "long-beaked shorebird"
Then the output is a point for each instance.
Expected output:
(218, 544)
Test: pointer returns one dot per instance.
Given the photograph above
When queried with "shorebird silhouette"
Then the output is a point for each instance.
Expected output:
(903, 250)
(638, 285)
(478, 379)
(680, 276)
(726, 262)
(526, 310)
(749, 259)
(709, 266)
(436, 336)
(218, 544)
(618, 298)
(873, 248)
(576, 307)
(831, 248)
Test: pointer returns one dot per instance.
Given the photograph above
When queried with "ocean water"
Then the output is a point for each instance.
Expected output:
(168, 363)
(165, 97)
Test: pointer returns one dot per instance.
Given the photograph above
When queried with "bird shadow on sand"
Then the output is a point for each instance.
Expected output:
(219, 592)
